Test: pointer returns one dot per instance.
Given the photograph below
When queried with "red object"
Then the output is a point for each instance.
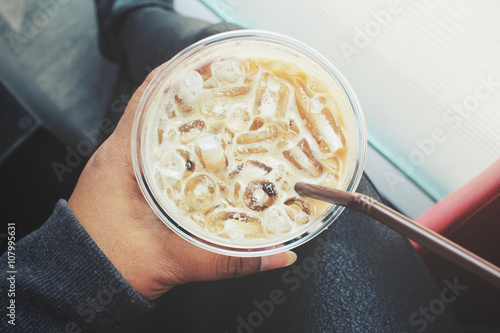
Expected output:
(470, 217)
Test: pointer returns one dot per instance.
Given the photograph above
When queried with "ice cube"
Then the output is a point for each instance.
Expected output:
(228, 70)
(199, 219)
(236, 171)
(271, 95)
(314, 86)
(228, 136)
(200, 192)
(299, 203)
(270, 133)
(268, 104)
(218, 103)
(251, 68)
(170, 107)
(317, 104)
(205, 71)
(237, 188)
(211, 83)
(182, 206)
(159, 180)
(331, 180)
(191, 130)
(260, 165)
(331, 133)
(293, 127)
(231, 92)
(212, 110)
(257, 123)
(260, 195)
(280, 172)
(303, 158)
(172, 167)
(171, 135)
(261, 89)
(322, 125)
(210, 152)
(233, 224)
(190, 165)
(283, 99)
(301, 218)
(251, 150)
(182, 105)
(238, 118)
(215, 225)
(276, 222)
(333, 164)
(192, 83)
(250, 170)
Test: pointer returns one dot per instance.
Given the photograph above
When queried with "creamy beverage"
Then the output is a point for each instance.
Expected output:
(230, 137)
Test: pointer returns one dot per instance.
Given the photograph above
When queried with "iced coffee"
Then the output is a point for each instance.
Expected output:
(229, 139)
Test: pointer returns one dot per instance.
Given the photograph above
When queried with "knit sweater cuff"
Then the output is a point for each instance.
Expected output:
(65, 282)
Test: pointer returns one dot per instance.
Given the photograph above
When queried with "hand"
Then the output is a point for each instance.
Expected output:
(110, 206)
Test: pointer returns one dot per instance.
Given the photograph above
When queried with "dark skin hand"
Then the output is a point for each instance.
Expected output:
(110, 206)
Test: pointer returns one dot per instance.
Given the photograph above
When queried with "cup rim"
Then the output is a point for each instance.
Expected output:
(246, 35)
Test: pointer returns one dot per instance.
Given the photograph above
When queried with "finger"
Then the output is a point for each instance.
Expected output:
(186, 262)
(234, 267)
(218, 267)
(279, 260)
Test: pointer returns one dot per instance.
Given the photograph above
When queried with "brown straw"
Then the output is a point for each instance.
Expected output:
(409, 228)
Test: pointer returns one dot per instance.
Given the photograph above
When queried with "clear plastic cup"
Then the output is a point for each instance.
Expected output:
(245, 44)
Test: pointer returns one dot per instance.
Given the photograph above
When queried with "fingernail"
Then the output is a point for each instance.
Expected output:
(277, 260)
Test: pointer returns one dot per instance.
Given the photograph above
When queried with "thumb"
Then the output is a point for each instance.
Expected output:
(233, 267)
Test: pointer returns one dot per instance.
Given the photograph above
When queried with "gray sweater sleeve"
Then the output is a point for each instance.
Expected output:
(64, 283)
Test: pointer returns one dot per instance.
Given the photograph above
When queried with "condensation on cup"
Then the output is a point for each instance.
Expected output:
(226, 129)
